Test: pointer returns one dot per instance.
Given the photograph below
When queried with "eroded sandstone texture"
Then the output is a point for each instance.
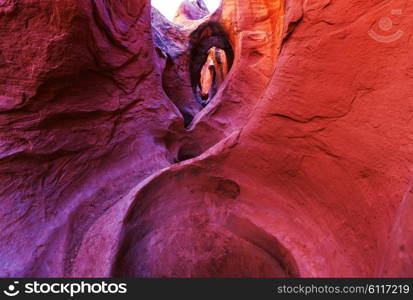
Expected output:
(299, 165)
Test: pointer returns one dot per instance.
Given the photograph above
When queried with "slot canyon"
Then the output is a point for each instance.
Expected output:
(268, 138)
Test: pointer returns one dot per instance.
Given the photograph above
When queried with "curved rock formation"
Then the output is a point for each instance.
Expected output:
(300, 164)
(83, 120)
(213, 73)
(191, 10)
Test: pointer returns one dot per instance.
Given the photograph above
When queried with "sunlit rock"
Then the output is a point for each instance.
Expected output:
(266, 139)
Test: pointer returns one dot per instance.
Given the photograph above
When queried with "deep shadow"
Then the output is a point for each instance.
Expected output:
(207, 36)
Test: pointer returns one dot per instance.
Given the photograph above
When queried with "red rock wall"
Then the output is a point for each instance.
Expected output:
(301, 164)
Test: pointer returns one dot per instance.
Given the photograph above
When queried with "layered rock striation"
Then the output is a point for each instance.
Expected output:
(297, 165)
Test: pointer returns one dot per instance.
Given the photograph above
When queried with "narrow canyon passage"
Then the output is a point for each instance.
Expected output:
(211, 59)
(256, 138)
(212, 74)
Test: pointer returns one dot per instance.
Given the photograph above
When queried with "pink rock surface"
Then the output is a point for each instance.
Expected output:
(300, 166)
(83, 121)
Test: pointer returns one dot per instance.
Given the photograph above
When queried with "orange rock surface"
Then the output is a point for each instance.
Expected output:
(299, 166)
